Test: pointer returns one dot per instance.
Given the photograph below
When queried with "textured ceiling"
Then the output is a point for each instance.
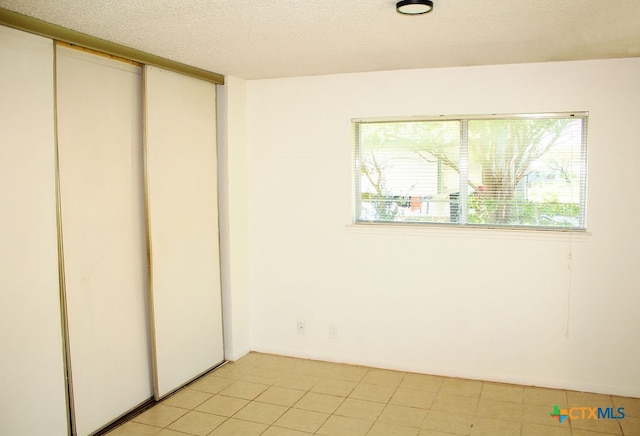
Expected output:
(255, 39)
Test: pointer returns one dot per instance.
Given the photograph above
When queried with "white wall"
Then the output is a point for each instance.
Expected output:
(473, 303)
(233, 198)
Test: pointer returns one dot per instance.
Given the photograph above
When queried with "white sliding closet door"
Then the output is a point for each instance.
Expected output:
(32, 384)
(99, 102)
(182, 205)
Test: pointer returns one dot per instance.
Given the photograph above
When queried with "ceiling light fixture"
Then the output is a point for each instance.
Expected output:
(414, 7)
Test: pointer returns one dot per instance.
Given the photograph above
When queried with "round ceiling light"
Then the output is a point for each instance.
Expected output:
(414, 7)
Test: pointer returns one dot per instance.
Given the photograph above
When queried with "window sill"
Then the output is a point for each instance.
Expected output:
(467, 231)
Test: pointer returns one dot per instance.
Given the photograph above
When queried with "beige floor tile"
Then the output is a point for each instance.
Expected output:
(463, 387)
(250, 361)
(369, 392)
(230, 371)
(279, 431)
(244, 390)
(160, 415)
(282, 367)
(631, 405)
(344, 426)
(360, 409)
(259, 380)
(169, 432)
(383, 377)
(280, 396)
(401, 415)
(296, 381)
(319, 402)
(578, 432)
(384, 429)
(610, 426)
(132, 428)
(537, 414)
(265, 373)
(500, 410)
(348, 373)
(455, 404)
(210, 384)
(187, 399)
(260, 412)
(421, 382)
(316, 368)
(221, 405)
(529, 429)
(412, 398)
(586, 399)
(495, 427)
(502, 392)
(197, 423)
(544, 396)
(302, 420)
(329, 386)
(236, 427)
(630, 425)
(300, 397)
(448, 422)
(425, 432)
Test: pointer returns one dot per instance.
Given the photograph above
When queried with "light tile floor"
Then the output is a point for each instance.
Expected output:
(269, 395)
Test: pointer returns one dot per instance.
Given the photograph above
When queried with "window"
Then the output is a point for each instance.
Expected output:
(501, 171)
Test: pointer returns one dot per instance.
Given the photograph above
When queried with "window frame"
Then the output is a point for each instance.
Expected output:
(464, 120)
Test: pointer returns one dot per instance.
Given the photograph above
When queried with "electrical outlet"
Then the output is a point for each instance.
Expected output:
(333, 332)
(301, 328)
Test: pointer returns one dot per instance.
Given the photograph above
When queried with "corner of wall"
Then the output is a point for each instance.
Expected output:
(233, 207)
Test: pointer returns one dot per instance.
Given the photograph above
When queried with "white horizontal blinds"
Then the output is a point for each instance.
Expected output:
(99, 102)
(182, 208)
(521, 170)
(408, 171)
(526, 172)
(32, 384)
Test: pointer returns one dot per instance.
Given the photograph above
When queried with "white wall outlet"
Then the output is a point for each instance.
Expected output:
(301, 328)
(333, 332)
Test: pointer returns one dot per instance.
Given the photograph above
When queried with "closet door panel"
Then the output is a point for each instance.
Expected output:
(181, 174)
(32, 383)
(100, 149)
